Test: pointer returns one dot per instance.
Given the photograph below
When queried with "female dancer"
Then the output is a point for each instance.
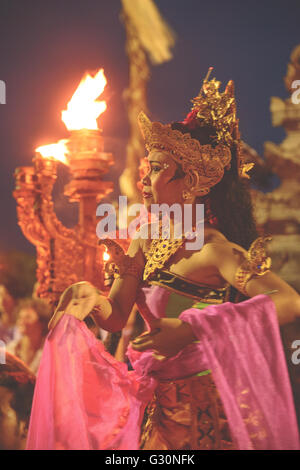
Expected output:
(205, 363)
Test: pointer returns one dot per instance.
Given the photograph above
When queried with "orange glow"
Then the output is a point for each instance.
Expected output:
(83, 109)
(106, 256)
(56, 151)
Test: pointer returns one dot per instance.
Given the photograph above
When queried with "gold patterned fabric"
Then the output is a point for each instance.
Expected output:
(159, 253)
(186, 414)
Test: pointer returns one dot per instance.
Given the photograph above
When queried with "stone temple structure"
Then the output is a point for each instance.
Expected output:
(278, 212)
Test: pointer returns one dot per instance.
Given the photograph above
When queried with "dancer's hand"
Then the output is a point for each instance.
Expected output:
(167, 337)
(77, 300)
(84, 298)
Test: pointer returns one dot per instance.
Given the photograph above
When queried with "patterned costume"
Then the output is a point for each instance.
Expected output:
(229, 389)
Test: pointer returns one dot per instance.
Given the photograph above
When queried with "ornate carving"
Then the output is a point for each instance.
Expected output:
(64, 256)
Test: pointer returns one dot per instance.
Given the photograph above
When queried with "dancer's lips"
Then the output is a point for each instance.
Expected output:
(146, 195)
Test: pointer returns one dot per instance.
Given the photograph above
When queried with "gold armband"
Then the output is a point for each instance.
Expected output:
(256, 263)
(119, 264)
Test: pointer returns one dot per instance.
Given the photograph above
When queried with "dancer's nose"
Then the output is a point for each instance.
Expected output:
(146, 181)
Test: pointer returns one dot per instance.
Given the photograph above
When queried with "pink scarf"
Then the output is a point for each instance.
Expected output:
(85, 399)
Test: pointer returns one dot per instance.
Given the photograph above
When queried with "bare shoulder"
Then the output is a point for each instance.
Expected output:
(213, 235)
(223, 257)
(220, 250)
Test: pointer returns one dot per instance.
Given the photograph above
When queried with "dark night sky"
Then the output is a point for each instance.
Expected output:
(46, 46)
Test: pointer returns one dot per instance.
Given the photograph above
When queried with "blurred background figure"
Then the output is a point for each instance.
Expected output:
(8, 330)
(16, 393)
(32, 317)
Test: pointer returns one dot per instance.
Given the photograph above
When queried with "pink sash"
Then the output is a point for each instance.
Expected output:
(243, 347)
(85, 399)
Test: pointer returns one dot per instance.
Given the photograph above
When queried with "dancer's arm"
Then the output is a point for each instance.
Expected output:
(228, 258)
(111, 313)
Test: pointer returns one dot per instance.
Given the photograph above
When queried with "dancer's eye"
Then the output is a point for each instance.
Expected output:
(155, 169)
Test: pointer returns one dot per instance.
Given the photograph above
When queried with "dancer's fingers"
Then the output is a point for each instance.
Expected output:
(142, 346)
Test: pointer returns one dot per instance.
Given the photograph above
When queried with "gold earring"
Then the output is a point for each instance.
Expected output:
(186, 194)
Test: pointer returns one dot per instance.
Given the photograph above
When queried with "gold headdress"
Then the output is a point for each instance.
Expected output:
(212, 108)
(203, 165)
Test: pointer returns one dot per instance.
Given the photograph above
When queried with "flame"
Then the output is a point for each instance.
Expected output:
(83, 109)
(105, 256)
(56, 151)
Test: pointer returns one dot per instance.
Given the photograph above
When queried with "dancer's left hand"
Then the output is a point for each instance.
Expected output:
(77, 300)
(167, 337)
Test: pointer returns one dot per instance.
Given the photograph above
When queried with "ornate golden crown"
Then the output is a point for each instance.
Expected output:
(203, 165)
(212, 108)
(217, 109)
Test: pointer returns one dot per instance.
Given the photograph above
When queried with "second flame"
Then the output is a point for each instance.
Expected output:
(56, 151)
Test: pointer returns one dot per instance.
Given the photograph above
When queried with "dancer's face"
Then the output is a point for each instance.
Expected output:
(159, 185)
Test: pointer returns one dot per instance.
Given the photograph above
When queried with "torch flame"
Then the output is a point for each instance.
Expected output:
(83, 109)
(105, 256)
(56, 151)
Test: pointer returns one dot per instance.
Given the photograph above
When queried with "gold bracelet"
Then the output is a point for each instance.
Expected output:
(127, 266)
(256, 263)
(120, 264)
